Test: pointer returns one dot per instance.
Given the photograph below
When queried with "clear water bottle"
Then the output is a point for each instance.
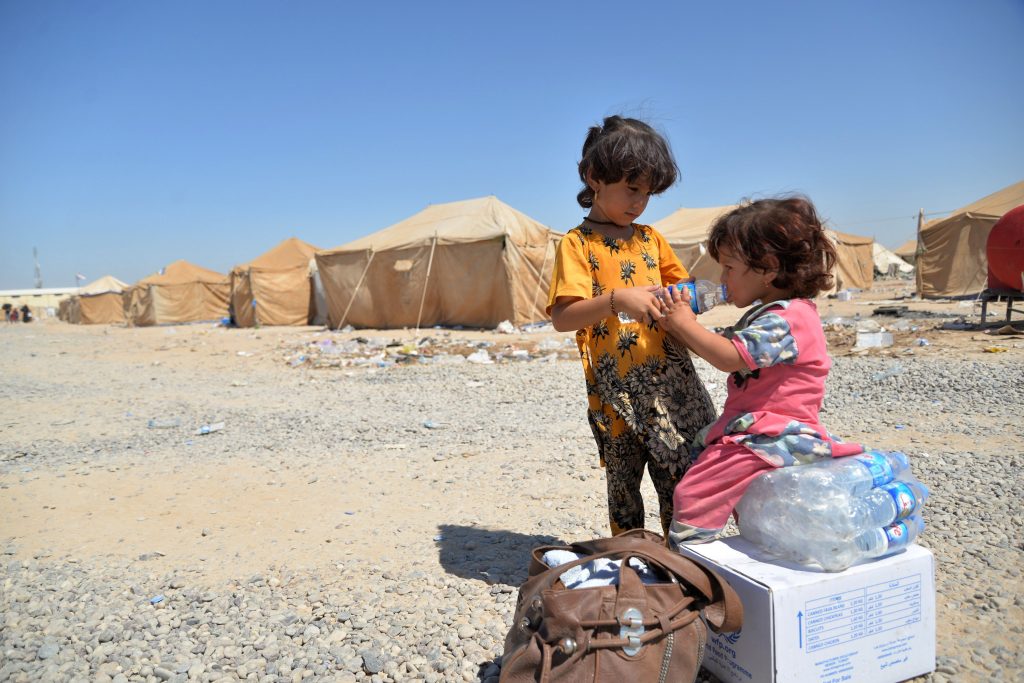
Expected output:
(890, 539)
(836, 556)
(704, 294)
(834, 512)
(857, 473)
(873, 509)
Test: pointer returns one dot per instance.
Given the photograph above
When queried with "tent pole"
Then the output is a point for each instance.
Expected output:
(917, 253)
(423, 296)
(540, 275)
(359, 284)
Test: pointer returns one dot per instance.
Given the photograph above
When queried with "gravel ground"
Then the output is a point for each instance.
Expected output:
(374, 523)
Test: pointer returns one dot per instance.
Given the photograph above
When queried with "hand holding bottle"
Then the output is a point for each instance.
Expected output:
(633, 304)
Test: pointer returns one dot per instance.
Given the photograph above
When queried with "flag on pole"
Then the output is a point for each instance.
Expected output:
(79, 276)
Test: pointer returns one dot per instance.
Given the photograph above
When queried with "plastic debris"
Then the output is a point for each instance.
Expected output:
(209, 428)
(480, 357)
(869, 340)
(164, 423)
(891, 371)
(505, 327)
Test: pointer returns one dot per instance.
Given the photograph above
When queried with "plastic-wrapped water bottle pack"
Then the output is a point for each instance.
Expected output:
(835, 512)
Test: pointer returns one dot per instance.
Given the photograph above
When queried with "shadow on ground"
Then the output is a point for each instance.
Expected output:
(489, 555)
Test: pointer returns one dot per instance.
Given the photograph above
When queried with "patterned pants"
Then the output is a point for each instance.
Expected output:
(624, 464)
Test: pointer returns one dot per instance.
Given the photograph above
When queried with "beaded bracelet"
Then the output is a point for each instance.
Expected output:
(611, 300)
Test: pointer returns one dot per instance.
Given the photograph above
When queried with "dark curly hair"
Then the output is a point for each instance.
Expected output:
(783, 234)
(625, 148)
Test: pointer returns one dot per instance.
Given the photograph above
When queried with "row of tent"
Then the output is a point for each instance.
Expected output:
(949, 253)
(476, 263)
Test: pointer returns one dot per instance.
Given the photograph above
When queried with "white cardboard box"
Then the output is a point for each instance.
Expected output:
(874, 622)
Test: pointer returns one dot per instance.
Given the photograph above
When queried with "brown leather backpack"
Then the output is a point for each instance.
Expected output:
(627, 632)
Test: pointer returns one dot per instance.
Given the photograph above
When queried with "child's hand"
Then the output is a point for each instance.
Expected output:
(640, 303)
(676, 306)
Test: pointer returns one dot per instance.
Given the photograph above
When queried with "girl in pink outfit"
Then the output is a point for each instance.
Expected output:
(775, 254)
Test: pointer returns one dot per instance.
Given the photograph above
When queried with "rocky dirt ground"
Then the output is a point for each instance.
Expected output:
(367, 509)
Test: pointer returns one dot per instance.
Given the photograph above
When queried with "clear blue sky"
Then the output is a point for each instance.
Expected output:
(136, 133)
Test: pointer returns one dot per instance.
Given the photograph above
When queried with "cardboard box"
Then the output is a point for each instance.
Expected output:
(873, 622)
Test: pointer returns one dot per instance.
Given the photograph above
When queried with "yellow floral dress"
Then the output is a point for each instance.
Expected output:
(645, 399)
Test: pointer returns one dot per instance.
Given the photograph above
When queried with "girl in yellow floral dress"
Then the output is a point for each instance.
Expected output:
(644, 397)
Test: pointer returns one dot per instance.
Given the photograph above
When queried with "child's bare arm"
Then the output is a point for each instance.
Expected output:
(681, 323)
(639, 303)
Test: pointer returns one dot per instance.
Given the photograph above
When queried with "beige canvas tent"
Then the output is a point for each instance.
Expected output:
(687, 229)
(855, 262)
(907, 251)
(951, 258)
(275, 288)
(475, 263)
(182, 293)
(97, 303)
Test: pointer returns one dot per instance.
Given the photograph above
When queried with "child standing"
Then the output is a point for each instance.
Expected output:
(775, 254)
(645, 401)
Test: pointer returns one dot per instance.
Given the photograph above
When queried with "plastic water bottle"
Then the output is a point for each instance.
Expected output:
(890, 539)
(704, 294)
(857, 473)
(874, 508)
(834, 512)
(871, 544)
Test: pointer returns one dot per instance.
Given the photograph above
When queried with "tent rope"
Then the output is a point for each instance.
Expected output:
(359, 284)
(423, 296)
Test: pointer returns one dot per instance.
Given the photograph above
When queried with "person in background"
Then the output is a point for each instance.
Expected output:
(26, 314)
(644, 398)
(775, 257)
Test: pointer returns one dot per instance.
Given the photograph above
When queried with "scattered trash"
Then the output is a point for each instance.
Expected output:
(995, 349)
(891, 371)
(155, 599)
(869, 340)
(959, 325)
(480, 356)
(430, 424)
(439, 537)
(901, 426)
(298, 360)
(209, 429)
(921, 341)
(896, 311)
(243, 353)
(549, 344)
(347, 329)
(844, 295)
(505, 327)
(164, 423)
(868, 325)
